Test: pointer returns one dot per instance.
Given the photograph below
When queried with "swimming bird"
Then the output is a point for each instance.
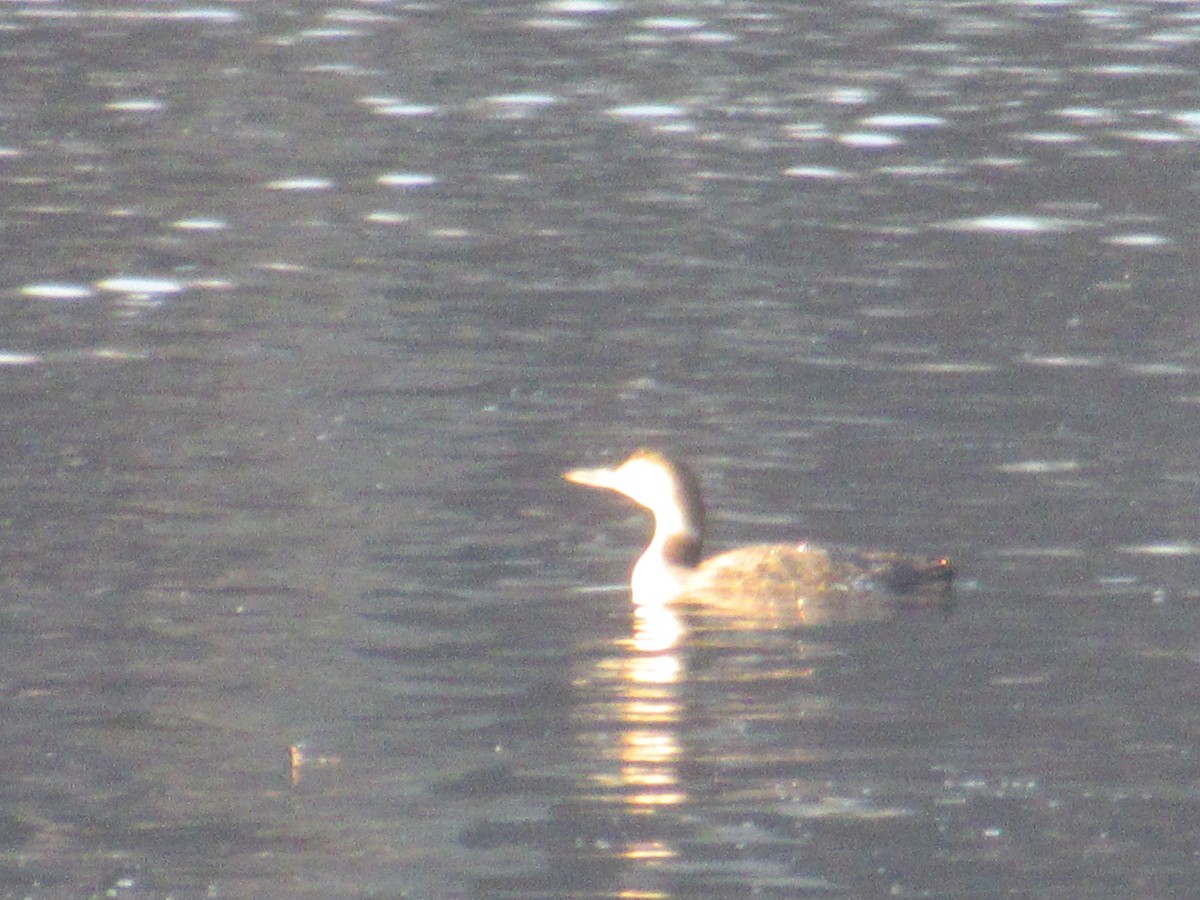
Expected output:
(801, 582)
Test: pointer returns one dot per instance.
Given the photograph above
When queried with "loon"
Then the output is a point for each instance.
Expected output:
(816, 584)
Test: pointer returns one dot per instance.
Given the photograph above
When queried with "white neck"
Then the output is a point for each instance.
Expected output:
(655, 580)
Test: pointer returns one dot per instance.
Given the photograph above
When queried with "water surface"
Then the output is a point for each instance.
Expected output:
(306, 308)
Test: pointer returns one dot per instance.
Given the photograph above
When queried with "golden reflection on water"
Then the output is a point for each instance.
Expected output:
(636, 730)
(640, 715)
(656, 628)
(649, 752)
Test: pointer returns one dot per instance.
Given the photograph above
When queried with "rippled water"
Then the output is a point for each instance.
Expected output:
(307, 308)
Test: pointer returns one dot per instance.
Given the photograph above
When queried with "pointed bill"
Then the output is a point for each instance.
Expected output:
(601, 478)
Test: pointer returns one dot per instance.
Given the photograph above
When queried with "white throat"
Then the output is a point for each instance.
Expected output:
(654, 580)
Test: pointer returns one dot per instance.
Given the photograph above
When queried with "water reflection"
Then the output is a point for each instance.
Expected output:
(631, 713)
(650, 706)
(704, 723)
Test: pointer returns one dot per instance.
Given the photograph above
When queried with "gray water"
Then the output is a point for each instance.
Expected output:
(306, 307)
